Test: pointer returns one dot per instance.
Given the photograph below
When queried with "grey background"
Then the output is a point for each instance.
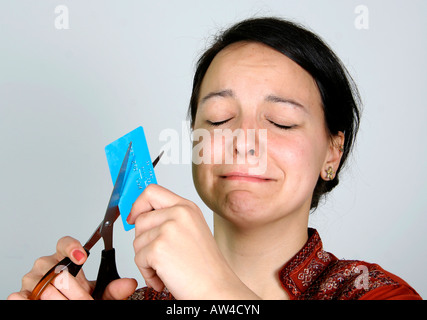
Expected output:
(65, 94)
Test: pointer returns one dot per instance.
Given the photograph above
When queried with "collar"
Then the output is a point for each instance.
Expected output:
(299, 273)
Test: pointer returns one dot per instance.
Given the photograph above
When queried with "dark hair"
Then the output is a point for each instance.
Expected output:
(339, 94)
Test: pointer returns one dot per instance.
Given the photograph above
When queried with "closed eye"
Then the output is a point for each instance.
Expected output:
(283, 127)
(218, 123)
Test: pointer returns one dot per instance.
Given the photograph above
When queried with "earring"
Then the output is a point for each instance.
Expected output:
(330, 174)
(341, 148)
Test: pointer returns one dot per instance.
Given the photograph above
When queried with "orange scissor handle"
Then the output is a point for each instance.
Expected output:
(64, 265)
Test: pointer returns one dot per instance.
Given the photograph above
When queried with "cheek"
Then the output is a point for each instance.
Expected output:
(197, 177)
(208, 146)
(201, 156)
(202, 164)
(205, 186)
(212, 147)
(201, 179)
(297, 156)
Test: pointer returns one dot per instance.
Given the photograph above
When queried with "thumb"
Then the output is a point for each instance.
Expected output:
(120, 289)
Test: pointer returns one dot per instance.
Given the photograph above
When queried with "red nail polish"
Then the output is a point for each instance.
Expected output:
(78, 255)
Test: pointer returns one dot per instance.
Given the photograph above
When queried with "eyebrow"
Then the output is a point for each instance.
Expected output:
(277, 99)
(223, 94)
(228, 93)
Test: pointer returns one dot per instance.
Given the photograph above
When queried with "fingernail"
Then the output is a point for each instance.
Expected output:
(128, 218)
(78, 255)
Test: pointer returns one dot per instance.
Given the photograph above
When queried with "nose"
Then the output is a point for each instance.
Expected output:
(245, 143)
(249, 148)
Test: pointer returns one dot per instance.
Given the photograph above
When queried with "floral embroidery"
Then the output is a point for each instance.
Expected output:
(316, 274)
(147, 293)
(324, 256)
(310, 273)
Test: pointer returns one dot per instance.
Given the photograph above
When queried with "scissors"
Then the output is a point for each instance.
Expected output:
(107, 269)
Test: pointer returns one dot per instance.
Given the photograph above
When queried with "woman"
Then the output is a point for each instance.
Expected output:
(280, 84)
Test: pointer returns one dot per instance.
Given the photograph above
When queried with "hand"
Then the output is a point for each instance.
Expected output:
(66, 286)
(174, 247)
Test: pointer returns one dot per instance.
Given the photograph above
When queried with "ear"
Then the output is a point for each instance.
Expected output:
(333, 156)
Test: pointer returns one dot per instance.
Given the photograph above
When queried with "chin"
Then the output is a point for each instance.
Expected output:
(243, 211)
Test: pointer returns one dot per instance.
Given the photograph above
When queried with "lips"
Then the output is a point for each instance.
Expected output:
(239, 176)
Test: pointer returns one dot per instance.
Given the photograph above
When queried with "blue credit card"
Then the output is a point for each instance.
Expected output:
(140, 171)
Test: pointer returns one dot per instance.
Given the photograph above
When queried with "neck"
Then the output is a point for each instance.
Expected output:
(257, 254)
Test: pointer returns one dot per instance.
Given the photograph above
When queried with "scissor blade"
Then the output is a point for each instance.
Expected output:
(94, 238)
(157, 159)
(120, 181)
(112, 212)
(97, 234)
(155, 162)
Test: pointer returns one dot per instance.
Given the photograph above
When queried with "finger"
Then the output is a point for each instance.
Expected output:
(149, 220)
(23, 295)
(40, 267)
(152, 279)
(120, 289)
(51, 293)
(70, 247)
(146, 258)
(70, 287)
(87, 285)
(152, 198)
(145, 239)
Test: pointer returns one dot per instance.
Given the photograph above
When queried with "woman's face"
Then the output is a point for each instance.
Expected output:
(270, 109)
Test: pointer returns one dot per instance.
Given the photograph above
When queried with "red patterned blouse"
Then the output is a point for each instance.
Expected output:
(314, 274)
